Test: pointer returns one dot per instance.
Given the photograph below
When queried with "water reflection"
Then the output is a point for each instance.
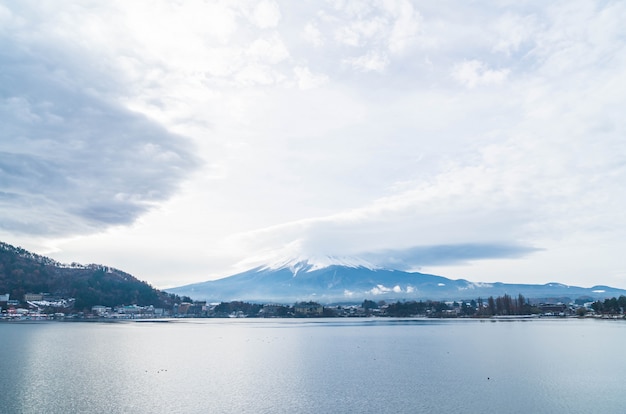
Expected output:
(369, 365)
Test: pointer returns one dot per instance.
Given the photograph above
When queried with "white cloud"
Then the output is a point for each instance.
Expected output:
(370, 62)
(266, 14)
(380, 290)
(308, 80)
(377, 31)
(313, 35)
(405, 26)
(512, 31)
(271, 50)
(474, 73)
(5, 14)
(257, 74)
(361, 32)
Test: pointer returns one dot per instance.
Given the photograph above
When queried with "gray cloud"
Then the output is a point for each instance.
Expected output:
(450, 254)
(72, 160)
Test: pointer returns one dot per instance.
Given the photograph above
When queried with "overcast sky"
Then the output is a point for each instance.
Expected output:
(183, 141)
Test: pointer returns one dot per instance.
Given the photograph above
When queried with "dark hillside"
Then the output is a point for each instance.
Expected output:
(25, 272)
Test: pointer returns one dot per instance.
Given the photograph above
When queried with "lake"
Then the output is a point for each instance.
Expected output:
(314, 366)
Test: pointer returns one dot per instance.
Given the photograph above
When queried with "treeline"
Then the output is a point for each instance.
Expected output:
(255, 310)
(229, 308)
(498, 306)
(612, 306)
(23, 253)
(504, 305)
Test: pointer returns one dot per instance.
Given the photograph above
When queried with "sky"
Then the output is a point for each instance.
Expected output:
(185, 141)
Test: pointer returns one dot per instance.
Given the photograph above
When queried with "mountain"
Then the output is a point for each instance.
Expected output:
(24, 272)
(345, 281)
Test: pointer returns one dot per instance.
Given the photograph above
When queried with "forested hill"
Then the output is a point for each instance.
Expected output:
(24, 272)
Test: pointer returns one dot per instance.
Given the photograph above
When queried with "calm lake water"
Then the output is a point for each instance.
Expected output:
(314, 366)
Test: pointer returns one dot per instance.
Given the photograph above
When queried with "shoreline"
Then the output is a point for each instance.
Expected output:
(498, 318)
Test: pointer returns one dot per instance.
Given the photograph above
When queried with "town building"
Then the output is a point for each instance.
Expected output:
(30, 297)
(308, 309)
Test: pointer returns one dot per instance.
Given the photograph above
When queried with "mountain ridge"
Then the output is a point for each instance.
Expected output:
(328, 279)
(297, 280)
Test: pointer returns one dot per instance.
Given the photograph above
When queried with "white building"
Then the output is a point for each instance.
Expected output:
(100, 310)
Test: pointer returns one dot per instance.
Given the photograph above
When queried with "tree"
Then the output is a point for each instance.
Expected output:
(491, 305)
(611, 306)
(522, 308)
(597, 306)
(621, 302)
(480, 306)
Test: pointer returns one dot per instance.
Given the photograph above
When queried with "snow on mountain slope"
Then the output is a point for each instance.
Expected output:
(310, 264)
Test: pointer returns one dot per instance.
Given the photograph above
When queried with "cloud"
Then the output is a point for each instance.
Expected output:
(266, 14)
(72, 161)
(513, 31)
(474, 73)
(370, 62)
(361, 32)
(437, 255)
(365, 36)
(439, 225)
(313, 35)
(308, 80)
(405, 28)
(271, 50)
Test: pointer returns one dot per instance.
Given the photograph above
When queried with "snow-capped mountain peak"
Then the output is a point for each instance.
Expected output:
(312, 263)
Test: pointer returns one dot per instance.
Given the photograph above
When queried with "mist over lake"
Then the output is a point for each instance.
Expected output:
(313, 366)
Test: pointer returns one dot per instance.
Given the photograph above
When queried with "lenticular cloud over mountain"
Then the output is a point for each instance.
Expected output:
(399, 259)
